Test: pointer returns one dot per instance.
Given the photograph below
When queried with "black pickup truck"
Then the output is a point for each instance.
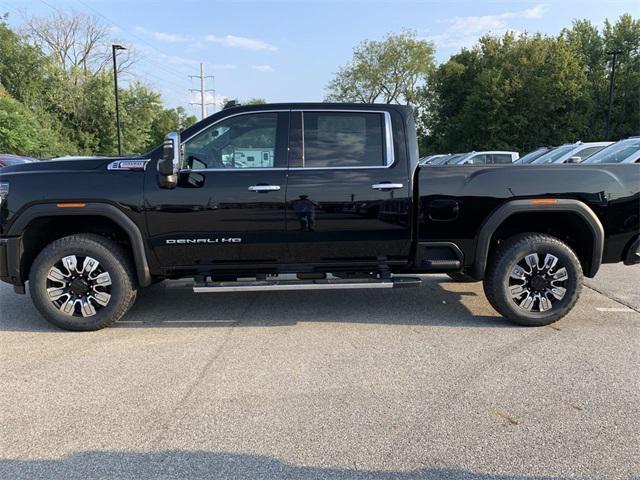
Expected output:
(307, 196)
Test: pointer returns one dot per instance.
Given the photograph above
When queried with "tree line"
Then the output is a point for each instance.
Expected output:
(511, 92)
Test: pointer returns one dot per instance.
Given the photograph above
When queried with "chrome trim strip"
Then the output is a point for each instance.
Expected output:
(389, 151)
(264, 188)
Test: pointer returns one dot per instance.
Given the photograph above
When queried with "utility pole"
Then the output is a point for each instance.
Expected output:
(114, 49)
(202, 90)
(615, 54)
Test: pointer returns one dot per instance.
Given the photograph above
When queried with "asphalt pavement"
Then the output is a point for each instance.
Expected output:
(403, 384)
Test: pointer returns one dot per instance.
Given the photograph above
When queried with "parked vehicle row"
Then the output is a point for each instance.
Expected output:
(624, 151)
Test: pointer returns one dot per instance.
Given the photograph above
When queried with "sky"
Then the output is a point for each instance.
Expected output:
(287, 51)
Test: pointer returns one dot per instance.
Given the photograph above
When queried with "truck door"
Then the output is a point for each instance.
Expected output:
(348, 193)
(228, 207)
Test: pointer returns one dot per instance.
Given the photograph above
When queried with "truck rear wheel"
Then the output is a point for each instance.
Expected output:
(533, 279)
(82, 282)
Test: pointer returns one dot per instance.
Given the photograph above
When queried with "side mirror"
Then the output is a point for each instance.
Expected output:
(574, 160)
(169, 163)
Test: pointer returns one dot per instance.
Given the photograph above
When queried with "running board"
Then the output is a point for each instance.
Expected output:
(330, 284)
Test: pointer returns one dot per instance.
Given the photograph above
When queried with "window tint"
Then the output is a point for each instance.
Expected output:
(244, 141)
(333, 139)
(478, 159)
(500, 158)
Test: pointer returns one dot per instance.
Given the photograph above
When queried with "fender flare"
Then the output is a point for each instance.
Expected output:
(576, 207)
(99, 209)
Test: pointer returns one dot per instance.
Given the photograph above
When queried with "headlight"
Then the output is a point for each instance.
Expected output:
(4, 191)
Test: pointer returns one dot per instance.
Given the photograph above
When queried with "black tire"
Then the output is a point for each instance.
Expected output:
(511, 253)
(461, 277)
(112, 259)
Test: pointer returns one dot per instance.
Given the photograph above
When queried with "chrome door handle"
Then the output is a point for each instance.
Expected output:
(386, 186)
(264, 188)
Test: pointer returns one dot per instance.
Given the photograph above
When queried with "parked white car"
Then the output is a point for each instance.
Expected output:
(492, 157)
(571, 152)
(624, 151)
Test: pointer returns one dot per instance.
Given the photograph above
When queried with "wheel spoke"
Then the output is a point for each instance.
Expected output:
(527, 303)
(516, 290)
(89, 265)
(519, 273)
(102, 280)
(67, 306)
(560, 275)
(87, 308)
(532, 260)
(71, 264)
(549, 262)
(55, 275)
(545, 303)
(558, 292)
(56, 293)
(101, 298)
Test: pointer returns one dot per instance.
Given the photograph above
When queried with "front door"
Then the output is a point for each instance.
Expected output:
(228, 207)
(348, 201)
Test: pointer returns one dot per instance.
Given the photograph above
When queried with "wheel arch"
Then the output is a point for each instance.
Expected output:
(576, 213)
(109, 213)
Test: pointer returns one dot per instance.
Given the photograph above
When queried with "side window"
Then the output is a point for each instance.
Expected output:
(501, 158)
(243, 141)
(343, 139)
(587, 152)
(479, 159)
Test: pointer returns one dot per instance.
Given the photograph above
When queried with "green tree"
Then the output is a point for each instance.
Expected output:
(513, 92)
(387, 71)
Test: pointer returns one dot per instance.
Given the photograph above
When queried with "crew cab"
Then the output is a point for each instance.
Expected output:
(307, 196)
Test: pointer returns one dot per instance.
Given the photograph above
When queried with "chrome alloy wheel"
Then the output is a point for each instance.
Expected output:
(536, 286)
(79, 286)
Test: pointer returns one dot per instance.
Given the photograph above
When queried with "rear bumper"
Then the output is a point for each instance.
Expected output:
(10, 255)
(633, 252)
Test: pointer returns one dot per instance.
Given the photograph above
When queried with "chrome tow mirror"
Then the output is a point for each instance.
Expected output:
(169, 163)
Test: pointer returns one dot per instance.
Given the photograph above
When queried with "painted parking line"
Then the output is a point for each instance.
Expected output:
(614, 309)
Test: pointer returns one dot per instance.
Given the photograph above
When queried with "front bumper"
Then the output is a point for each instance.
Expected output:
(633, 252)
(10, 256)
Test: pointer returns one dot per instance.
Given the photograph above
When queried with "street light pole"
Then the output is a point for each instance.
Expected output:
(615, 54)
(114, 48)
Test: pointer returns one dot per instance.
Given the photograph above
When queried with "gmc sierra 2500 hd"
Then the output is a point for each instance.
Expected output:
(329, 192)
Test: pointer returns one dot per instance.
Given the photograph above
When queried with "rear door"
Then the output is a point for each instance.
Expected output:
(348, 196)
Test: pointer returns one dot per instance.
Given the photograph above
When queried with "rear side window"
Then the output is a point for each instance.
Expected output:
(500, 158)
(343, 139)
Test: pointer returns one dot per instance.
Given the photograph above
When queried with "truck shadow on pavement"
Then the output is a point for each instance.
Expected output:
(194, 465)
(438, 303)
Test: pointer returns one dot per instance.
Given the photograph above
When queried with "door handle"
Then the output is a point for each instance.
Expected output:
(264, 188)
(386, 186)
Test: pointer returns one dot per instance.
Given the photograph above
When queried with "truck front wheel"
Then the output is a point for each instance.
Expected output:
(82, 282)
(533, 279)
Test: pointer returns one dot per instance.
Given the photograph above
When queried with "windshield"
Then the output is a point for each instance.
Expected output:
(554, 154)
(531, 156)
(616, 153)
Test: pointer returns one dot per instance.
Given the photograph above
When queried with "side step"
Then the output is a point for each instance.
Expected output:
(325, 284)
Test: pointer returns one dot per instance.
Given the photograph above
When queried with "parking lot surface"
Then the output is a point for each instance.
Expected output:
(406, 384)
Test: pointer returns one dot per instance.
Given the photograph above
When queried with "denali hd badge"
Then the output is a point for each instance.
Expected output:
(194, 241)
(127, 165)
